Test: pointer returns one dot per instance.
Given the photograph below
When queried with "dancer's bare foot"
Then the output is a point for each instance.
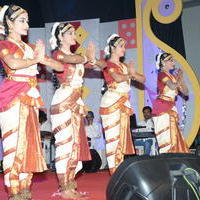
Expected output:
(15, 197)
(73, 195)
(26, 194)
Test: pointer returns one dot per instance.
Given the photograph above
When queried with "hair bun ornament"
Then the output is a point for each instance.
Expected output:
(55, 25)
(2, 12)
(53, 40)
(2, 31)
(112, 37)
(158, 60)
(106, 50)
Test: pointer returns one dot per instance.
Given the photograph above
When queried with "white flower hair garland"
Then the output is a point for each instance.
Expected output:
(53, 40)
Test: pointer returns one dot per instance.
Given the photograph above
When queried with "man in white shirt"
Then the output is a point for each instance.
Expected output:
(145, 125)
(95, 135)
(48, 146)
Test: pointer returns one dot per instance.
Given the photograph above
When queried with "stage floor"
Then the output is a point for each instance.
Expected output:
(45, 185)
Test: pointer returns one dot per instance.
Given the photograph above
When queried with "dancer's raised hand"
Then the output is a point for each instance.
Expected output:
(90, 52)
(39, 52)
(131, 68)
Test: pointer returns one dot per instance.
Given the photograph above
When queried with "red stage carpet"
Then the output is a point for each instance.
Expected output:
(45, 185)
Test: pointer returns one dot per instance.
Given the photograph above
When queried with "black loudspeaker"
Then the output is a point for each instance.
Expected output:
(162, 177)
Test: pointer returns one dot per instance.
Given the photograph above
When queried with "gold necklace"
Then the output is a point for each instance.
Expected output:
(19, 42)
(65, 52)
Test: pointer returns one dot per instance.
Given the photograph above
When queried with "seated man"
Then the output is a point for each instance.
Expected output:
(145, 125)
(91, 129)
(95, 135)
(47, 141)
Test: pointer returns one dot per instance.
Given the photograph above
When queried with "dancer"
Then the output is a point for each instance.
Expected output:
(19, 103)
(115, 106)
(68, 110)
(169, 136)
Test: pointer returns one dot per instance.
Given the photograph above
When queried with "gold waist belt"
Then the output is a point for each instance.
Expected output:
(67, 86)
(31, 81)
(120, 93)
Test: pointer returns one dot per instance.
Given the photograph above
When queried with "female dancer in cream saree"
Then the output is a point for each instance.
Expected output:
(115, 107)
(19, 103)
(67, 112)
(168, 134)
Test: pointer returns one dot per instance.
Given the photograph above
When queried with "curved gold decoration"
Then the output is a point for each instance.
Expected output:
(140, 93)
(166, 19)
(152, 6)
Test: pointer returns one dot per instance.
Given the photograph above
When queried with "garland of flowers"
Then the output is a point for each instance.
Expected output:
(2, 71)
(184, 115)
(55, 81)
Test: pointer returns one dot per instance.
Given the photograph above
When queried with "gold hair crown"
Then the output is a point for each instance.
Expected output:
(65, 27)
(17, 11)
(118, 41)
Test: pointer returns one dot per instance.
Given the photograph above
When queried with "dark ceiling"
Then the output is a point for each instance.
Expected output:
(42, 11)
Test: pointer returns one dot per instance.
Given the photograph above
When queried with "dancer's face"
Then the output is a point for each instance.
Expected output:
(169, 63)
(20, 24)
(69, 37)
(120, 49)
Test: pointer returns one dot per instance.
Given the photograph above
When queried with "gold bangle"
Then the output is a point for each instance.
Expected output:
(129, 76)
(85, 59)
(93, 62)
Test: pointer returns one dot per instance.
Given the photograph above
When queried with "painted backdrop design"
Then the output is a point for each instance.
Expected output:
(165, 12)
